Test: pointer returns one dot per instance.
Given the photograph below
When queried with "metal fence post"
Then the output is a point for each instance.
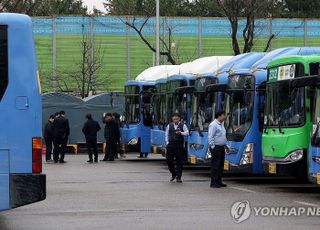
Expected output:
(91, 52)
(270, 32)
(305, 40)
(128, 52)
(54, 54)
(200, 36)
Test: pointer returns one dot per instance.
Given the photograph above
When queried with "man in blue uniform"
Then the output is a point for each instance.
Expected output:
(175, 133)
(217, 143)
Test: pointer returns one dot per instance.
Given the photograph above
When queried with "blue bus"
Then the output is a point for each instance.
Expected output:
(205, 101)
(244, 106)
(178, 100)
(21, 178)
(159, 117)
(137, 120)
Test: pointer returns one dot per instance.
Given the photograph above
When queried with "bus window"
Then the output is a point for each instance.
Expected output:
(3, 59)
(314, 69)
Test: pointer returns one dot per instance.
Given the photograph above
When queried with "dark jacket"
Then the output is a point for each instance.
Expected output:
(112, 130)
(61, 127)
(48, 131)
(90, 130)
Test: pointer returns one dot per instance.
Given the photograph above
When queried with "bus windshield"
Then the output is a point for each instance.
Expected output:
(159, 106)
(176, 102)
(132, 104)
(285, 106)
(315, 140)
(204, 104)
(239, 105)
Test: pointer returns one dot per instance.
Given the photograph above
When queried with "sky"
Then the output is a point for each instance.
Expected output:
(95, 3)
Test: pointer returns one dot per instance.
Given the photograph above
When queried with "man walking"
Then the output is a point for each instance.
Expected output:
(217, 143)
(90, 130)
(120, 147)
(60, 137)
(175, 133)
(112, 135)
(48, 137)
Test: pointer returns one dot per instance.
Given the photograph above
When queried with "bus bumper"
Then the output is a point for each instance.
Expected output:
(26, 189)
(231, 168)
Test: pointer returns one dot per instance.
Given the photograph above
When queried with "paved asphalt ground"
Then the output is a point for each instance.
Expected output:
(135, 194)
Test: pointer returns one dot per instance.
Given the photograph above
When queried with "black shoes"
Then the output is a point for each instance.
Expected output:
(179, 180)
(96, 160)
(90, 161)
(62, 162)
(104, 159)
(218, 185)
(172, 179)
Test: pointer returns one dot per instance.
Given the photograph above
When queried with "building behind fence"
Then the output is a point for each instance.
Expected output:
(59, 43)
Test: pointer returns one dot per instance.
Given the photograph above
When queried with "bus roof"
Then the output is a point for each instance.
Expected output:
(282, 52)
(181, 77)
(139, 83)
(156, 72)
(295, 59)
(15, 20)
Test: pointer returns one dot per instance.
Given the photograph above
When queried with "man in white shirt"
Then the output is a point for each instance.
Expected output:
(217, 143)
(175, 133)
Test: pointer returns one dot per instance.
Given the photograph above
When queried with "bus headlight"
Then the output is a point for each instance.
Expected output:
(295, 155)
(247, 155)
(316, 159)
(208, 154)
(133, 141)
(196, 146)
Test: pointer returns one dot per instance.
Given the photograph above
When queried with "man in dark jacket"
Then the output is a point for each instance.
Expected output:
(60, 137)
(90, 130)
(120, 146)
(112, 135)
(48, 137)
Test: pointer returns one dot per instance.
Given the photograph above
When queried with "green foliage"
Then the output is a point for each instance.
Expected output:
(44, 7)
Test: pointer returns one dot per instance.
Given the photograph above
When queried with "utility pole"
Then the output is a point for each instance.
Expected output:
(158, 32)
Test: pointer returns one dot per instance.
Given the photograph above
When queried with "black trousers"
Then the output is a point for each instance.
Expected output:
(92, 145)
(60, 146)
(175, 158)
(217, 163)
(111, 149)
(49, 145)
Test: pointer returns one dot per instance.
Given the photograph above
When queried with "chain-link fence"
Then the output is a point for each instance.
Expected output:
(120, 53)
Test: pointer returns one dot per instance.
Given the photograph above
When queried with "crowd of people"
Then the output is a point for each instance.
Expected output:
(57, 131)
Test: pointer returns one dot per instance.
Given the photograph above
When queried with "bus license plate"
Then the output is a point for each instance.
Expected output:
(318, 178)
(193, 160)
(272, 168)
(226, 165)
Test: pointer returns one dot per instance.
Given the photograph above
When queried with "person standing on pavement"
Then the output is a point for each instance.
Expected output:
(120, 147)
(112, 135)
(60, 137)
(90, 130)
(175, 133)
(48, 137)
(217, 143)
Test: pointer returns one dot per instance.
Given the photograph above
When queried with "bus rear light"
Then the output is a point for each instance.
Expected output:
(36, 155)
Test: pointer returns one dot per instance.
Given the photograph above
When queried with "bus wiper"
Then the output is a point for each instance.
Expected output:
(314, 135)
(279, 125)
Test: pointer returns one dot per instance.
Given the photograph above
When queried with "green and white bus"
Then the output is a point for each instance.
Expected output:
(288, 117)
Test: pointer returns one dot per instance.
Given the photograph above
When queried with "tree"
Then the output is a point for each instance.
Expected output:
(250, 10)
(138, 27)
(44, 7)
(85, 76)
(168, 7)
